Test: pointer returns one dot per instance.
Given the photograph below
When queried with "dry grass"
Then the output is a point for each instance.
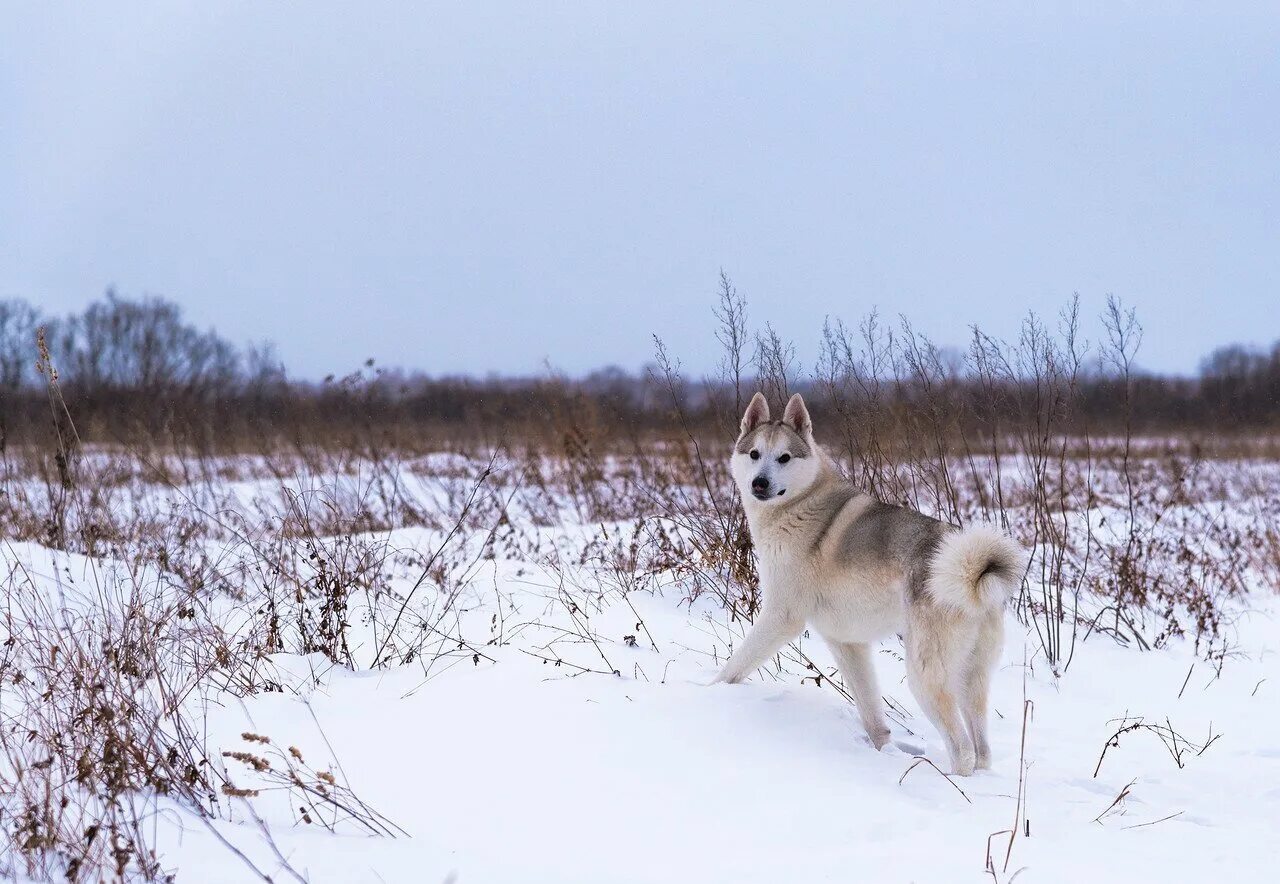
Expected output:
(202, 565)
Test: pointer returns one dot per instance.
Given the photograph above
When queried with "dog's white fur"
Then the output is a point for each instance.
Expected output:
(957, 580)
(857, 570)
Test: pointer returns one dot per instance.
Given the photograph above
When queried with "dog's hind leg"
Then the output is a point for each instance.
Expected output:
(931, 674)
(939, 704)
(977, 684)
(860, 678)
(772, 629)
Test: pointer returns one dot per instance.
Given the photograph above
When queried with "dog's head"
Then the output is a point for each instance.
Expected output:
(772, 459)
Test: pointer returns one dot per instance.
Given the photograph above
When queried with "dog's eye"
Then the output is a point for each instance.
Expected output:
(784, 458)
(755, 455)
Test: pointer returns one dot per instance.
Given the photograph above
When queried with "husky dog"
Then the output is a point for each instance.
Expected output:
(857, 570)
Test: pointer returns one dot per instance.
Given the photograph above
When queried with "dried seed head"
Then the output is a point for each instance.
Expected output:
(228, 789)
(258, 764)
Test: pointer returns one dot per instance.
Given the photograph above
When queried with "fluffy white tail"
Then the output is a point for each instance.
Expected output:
(975, 567)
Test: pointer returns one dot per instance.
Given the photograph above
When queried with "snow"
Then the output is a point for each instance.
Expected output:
(516, 773)
(505, 767)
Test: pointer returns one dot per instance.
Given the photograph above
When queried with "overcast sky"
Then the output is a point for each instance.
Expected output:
(481, 186)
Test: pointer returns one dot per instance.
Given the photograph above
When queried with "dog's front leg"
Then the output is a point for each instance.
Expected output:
(860, 678)
(773, 629)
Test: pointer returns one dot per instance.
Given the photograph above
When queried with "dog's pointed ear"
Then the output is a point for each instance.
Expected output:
(756, 414)
(797, 416)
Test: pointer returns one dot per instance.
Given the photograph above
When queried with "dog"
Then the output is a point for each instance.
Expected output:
(856, 570)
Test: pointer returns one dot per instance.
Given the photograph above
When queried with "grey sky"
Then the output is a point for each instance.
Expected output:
(477, 186)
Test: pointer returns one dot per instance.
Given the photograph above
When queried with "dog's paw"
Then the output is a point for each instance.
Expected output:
(879, 739)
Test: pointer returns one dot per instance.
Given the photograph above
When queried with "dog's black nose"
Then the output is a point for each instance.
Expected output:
(759, 483)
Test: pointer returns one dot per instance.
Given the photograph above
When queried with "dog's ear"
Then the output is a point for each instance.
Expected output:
(797, 416)
(756, 414)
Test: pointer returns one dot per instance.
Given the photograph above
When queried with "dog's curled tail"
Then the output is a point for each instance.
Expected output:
(975, 567)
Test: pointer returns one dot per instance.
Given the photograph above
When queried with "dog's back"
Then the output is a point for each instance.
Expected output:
(866, 562)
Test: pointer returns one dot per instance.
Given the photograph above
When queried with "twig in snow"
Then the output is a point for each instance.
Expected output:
(946, 777)
(1153, 822)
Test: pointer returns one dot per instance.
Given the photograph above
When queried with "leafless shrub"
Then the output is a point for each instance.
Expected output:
(317, 797)
(96, 687)
(1180, 748)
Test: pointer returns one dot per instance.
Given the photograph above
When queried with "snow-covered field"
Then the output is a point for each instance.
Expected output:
(526, 703)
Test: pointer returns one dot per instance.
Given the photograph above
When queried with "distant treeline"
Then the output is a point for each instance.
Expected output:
(134, 370)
